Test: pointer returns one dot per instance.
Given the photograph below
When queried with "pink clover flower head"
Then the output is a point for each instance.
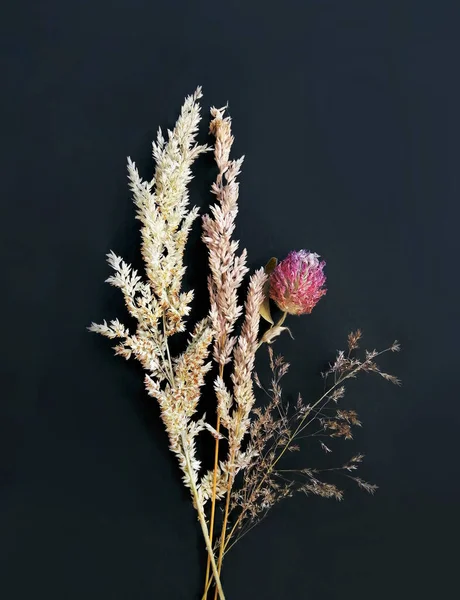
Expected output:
(296, 283)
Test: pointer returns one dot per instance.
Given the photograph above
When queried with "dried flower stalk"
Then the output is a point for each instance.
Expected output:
(227, 272)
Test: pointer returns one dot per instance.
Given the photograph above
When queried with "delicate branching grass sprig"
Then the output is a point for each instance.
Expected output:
(279, 428)
(158, 304)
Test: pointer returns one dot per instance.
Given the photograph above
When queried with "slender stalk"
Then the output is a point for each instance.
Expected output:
(213, 497)
(206, 588)
(199, 508)
(224, 530)
(230, 482)
(204, 527)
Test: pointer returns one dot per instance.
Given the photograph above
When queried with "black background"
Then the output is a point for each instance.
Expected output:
(348, 114)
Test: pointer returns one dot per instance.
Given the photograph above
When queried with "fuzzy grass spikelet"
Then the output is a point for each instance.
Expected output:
(227, 267)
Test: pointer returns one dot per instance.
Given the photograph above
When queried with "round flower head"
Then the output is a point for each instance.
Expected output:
(296, 283)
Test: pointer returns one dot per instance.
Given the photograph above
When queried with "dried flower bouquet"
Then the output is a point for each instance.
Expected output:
(250, 442)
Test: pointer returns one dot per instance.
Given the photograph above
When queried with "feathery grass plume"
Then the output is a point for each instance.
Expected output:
(227, 267)
(159, 305)
(227, 273)
(235, 408)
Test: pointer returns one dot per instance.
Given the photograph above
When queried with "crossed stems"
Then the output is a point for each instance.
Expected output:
(201, 515)
(231, 479)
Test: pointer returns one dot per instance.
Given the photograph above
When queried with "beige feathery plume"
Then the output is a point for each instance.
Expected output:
(234, 411)
(158, 304)
(227, 268)
(235, 408)
(227, 273)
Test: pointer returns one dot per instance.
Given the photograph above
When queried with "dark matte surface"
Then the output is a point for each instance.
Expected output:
(348, 114)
